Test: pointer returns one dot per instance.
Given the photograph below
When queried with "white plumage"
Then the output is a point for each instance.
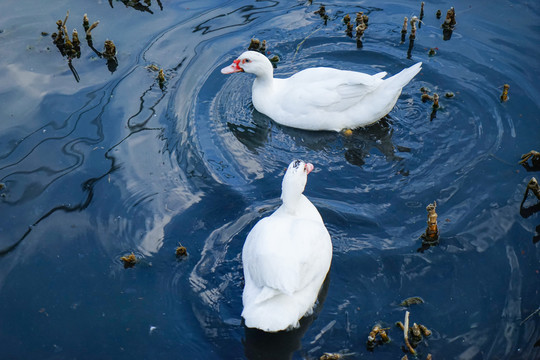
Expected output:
(321, 98)
(286, 257)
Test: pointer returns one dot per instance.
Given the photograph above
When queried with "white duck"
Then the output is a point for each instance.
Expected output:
(286, 257)
(321, 98)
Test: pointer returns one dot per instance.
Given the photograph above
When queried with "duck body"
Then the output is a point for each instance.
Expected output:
(286, 258)
(322, 98)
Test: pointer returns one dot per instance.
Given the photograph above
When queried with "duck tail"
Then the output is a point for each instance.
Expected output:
(404, 76)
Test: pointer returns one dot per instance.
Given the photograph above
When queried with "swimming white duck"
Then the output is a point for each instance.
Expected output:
(321, 98)
(286, 257)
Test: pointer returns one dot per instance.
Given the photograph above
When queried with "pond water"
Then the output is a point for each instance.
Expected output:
(98, 160)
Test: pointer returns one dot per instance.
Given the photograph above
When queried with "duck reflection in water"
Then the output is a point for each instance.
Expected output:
(260, 345)
(358, 145)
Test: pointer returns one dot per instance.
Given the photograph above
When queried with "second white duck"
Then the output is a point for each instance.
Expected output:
(286, 258)
(321, 98)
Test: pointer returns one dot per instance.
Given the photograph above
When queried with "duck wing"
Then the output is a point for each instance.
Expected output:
(281, 255)
(327, 89)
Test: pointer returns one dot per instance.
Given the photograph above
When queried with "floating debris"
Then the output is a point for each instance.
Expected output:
(533, 155)
(129, 261)
(533, 187)
(449, 95)
(426, 97)
(537, 311)
(2, 186)
(431, 235)
(406, 334)
(152, 67)
(504, 96)
(417, 331)
(438, 14)
(411, 301)
(347, 132)
(322, 13)
(432, 51)
(181, 251)
(372, 337)
(334, 356)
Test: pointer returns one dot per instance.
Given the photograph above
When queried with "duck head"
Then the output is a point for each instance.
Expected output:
(294, 181)
(251, 62)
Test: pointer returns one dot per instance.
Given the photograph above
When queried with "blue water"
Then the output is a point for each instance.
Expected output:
(113, 163)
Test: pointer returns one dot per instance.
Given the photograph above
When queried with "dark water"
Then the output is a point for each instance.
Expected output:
(113, 164)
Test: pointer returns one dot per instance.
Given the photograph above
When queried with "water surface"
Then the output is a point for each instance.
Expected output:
(113, 163)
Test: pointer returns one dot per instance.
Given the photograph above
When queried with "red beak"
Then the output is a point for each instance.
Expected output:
(232, 68)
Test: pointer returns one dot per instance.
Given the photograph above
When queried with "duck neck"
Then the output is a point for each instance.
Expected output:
(264, 80)
(265, 74)
(291, 201)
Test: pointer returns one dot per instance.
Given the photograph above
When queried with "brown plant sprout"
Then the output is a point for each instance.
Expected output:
(414, 20)
(404, 29)
(384, 336)
(89, 40)
(365, 18)
(405, 357)
(349, 29)
(322, 13)
(533, 155)
(110, 50)
(347, 19)
(533, 187)
(161, 79)
(450, 20)
(129, 261)
(254, 44)
(359, 18)
(425, 331)
(435, 101)
(416, 334)
(504, 96)
(263, 47)
(181, 251)
(428, 357)
(438, 13)
(432, 231)
(86, 22)
(421, 10)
